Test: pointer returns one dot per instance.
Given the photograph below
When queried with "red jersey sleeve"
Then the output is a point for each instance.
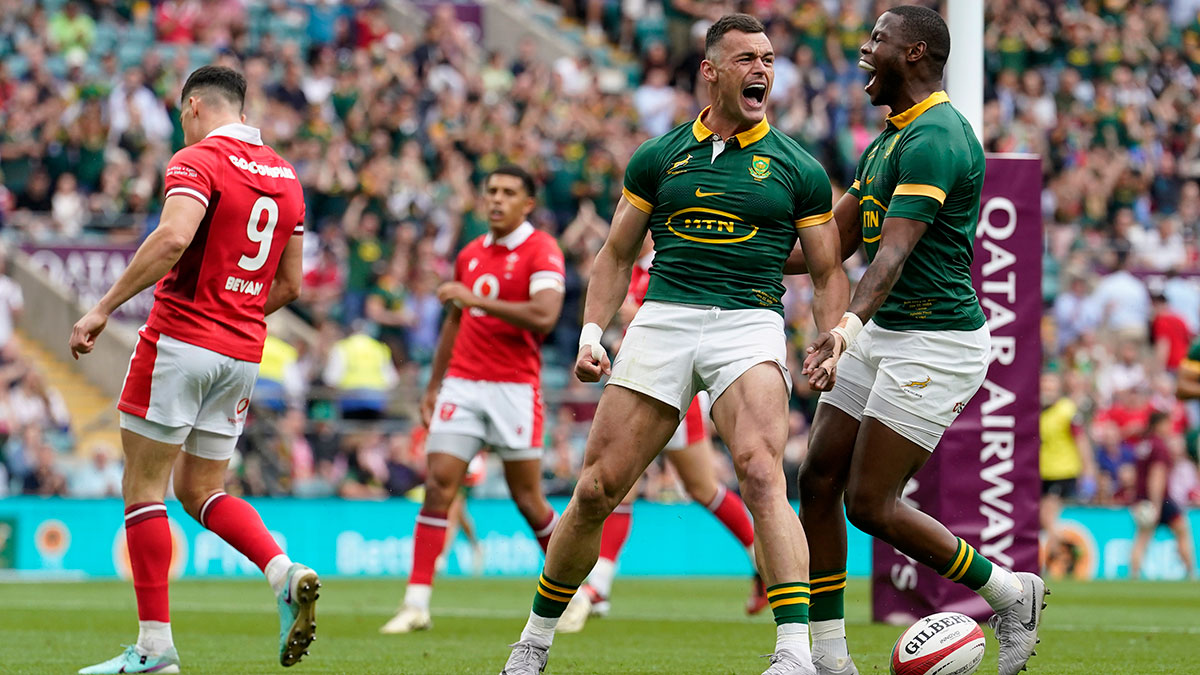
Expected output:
(300, 223)
(547, 269)
(191, 173)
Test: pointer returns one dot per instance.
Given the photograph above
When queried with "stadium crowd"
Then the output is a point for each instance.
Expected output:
(391, 132)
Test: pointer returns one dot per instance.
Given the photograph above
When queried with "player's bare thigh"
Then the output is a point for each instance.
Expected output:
(147, 467)
(627, 433)
(751, 414)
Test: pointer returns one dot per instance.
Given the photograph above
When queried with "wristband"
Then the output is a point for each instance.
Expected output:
(848, 329)
(590, 337)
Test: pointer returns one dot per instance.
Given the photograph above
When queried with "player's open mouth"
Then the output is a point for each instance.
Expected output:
(755, 94)
(862, 63)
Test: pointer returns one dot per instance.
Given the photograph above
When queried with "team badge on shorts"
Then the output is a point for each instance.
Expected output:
(760, 167)
(447, 411)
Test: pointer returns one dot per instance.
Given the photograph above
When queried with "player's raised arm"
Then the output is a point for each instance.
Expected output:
(609, 285)
(181, 216)
(288, 276)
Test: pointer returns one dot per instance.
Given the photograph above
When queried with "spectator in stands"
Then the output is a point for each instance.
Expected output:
(71, 30)
(1123, 301)
(68, 207)
(36, 403)
(43, 478)
(1115, 464)
(361, 369)
(100, 476)
(136, 117)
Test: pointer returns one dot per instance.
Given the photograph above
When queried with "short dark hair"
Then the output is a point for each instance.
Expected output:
(227, 83)
(740, 22)
(922, 24)
(516, 171)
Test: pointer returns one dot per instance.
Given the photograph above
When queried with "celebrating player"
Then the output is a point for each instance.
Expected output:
(225, 254)
(690, 451)
(725, 198)
(485, 388)
(923, 353)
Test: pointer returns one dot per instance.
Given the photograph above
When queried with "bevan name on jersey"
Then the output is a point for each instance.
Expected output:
(262, 169)
(242, 286)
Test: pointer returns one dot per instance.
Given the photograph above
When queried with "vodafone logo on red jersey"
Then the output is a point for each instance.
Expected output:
(262, 169)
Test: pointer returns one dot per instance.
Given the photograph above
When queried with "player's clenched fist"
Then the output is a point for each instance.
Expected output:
(83, 335)
(592, 363)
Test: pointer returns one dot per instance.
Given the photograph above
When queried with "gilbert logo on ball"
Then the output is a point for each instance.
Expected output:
(946, 643)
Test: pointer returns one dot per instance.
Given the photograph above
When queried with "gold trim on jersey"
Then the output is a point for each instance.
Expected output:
(637, 202)
(810, 221)
(752, 135)
(868, 198)
(855, 185)
(907, 117)
(918, 190)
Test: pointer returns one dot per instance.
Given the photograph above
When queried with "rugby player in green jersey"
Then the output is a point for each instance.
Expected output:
(725, 198)
(924, 350)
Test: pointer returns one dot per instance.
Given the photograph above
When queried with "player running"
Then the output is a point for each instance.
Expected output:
(225, 254)
(725, 198)
(690, 451)
(923, 353)
(485, 388)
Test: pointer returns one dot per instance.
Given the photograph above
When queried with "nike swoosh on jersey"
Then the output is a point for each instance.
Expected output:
(870, 179)
(707, 194)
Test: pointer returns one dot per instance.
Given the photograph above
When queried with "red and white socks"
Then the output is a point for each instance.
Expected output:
(429, 538)
(731, 511)
(148, 538)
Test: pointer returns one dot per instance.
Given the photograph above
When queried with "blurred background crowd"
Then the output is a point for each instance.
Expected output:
(392, 132)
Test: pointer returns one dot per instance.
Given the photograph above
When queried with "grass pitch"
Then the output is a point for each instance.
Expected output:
(657, 626)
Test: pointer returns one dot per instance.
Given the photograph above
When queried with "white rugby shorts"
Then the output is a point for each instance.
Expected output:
(694, 427)
(181, 394)
(916, 382)
(672, 351)
(506, 416)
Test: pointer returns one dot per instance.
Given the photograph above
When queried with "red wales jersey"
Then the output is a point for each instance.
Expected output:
(639, 280)
(214, 296)
(511, 268)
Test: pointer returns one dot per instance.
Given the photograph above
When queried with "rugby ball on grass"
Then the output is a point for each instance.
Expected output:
(946, 643)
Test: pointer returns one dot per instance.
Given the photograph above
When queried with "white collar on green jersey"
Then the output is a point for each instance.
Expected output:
(752, 135)
(907, 117)
(512, 239)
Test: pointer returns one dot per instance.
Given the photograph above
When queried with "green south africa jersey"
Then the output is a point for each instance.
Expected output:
(724, 214)
(927, 165)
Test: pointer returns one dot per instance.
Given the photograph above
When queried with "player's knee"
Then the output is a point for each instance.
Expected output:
(530, 503)
(192, 497)
(762, 481)
(595, 498)
(439, 492)
(867, 512)
(701, 493)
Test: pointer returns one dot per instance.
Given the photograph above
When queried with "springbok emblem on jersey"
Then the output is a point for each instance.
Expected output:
(760, 167)
(675, 168)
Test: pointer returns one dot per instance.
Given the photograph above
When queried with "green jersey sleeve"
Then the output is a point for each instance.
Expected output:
(641, 177)
(814, 196)
(928, 170)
